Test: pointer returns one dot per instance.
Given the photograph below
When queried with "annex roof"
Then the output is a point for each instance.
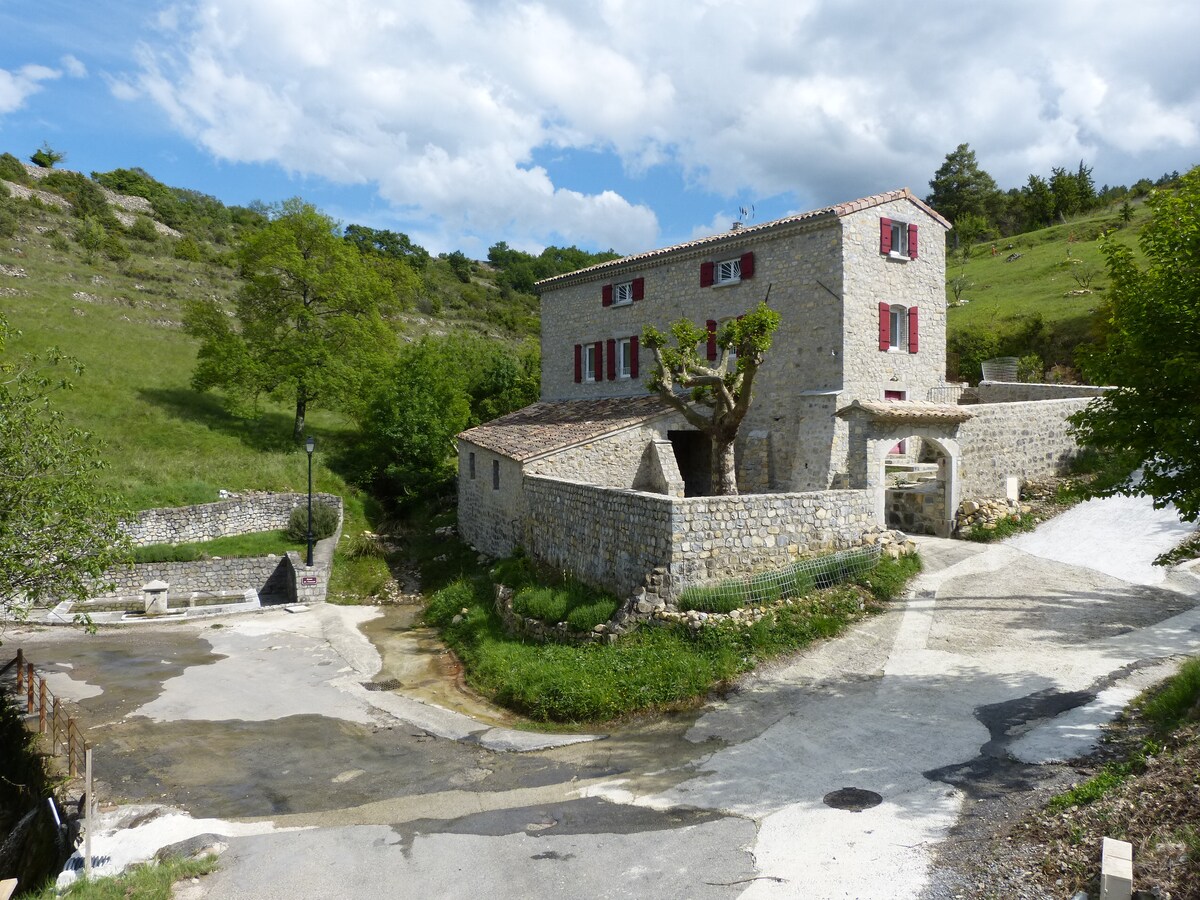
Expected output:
(827, 212)
(546, 427)
(908, 411)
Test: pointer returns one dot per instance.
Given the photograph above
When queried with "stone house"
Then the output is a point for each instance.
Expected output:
(603, 478)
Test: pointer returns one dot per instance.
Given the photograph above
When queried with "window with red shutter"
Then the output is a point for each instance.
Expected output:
(599, 351)
(885, 236)
(606, 295)
(747, 265)
(633, 357)
(639, 289)
(913, 329)
(885, 326)
(706, 274)
(578, 363)
(912, 241)
(612, 359)
(711, 325)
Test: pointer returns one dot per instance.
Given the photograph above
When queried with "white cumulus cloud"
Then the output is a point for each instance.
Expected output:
(17, 85)
(452, 109)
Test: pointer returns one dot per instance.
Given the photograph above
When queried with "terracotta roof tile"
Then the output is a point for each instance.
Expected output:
(545, 427)
(908, 411)
(830, 212)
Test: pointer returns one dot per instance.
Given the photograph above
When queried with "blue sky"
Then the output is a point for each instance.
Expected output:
(612, 123)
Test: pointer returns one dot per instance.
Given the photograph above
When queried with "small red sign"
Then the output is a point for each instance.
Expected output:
(309, 579)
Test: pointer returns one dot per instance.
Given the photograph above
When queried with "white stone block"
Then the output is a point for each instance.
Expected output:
(1116, 870)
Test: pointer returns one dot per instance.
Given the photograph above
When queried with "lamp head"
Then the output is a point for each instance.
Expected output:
(310, 444)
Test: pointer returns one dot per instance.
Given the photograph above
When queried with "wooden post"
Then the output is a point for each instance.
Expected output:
(71, 769)
(42, 706)
(20, 670)
(87, 814)
(54, 727)
(29, 687)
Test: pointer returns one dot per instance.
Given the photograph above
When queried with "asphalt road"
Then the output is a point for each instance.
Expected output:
(277, 732)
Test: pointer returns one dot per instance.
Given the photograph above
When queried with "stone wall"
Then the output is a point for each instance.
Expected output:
(1008, 392)
(917, 509)
(1024, 439)
(614, 539)
(618, 460)
(247, 513)
(268, 575)
(491, 504)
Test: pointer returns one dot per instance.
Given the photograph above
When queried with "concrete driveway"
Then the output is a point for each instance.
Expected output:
(1005, 656)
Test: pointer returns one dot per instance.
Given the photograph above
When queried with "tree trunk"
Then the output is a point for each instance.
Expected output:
(301, 409)
(724, 472)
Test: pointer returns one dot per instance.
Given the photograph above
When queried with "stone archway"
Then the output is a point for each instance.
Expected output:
(876, 427)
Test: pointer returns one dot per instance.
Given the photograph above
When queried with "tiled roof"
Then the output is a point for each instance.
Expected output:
(830, 212)
(546, 427)
(908, 411)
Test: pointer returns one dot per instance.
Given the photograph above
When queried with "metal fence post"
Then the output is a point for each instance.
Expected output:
(87, 813)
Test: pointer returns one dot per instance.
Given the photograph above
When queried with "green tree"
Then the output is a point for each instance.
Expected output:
(90, 235)
(719, 394)
(308, 318)
(46, 157)
(1152, 356)
(961, 188)
(58, 529)
(1038, 202)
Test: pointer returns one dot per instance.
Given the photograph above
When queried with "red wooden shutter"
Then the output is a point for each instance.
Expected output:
(912, 329)
(606, 295)
(885, 326)
(612, 359)
(885, 236)
(578, 363)
(747, 266)
(706, 274)
(599, 361)
(912, 241)
(712, 339)
(639, 289)
(633, 357)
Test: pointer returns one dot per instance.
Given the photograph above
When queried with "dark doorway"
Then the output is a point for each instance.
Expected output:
(693, 455)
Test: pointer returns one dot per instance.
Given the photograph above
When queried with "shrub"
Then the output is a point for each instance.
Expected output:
(8, 220)
(324, 522)
(1177, 700)
(143, 230)
(12, 169)
(114, 248)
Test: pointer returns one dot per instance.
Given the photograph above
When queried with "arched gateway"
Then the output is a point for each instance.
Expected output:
(929, 498)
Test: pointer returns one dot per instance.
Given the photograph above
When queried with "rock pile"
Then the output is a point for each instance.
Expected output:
(987, 513)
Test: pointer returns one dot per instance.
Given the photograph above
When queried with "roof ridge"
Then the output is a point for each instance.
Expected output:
(837, 210)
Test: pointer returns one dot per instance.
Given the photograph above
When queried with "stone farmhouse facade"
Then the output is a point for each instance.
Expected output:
(602, 478)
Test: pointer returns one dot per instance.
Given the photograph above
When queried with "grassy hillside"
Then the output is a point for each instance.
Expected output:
(166, 443)
(1043, 301)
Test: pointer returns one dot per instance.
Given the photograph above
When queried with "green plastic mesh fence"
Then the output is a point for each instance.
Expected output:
(795, 580)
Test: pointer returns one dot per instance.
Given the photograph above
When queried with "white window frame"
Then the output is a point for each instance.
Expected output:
(622, 293)
(727, 271)
(899, 240)
(589, 363)
(897, 328)
(624, 358)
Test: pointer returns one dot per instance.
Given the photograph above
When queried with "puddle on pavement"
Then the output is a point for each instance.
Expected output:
(417, 664)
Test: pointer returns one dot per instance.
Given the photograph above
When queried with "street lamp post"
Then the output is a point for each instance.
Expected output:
(310, 444)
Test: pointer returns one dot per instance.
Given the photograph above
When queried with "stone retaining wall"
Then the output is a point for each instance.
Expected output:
(266, 574)
(618, 539)
(917, 509)
(1010, 392)
(248, 513)
(1027, 439)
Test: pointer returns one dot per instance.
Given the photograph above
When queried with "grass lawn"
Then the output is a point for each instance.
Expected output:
(656, 667)
(144, 882)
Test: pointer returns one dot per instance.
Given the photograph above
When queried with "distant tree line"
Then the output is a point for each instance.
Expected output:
(968, 196)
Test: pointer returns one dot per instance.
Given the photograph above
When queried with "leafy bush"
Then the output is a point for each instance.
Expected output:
(86, 197)
(114, 248)
(12, 169)
(143, 229)
(324, 522)
(565, 600)
(8, 219)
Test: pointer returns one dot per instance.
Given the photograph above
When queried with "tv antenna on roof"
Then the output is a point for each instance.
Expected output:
(745, 213)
